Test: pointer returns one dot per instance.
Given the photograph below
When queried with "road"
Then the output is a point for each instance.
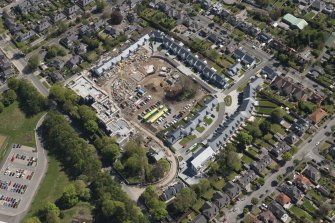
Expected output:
(41, 168)
(21, 64)
(306, 150)
(173, 172)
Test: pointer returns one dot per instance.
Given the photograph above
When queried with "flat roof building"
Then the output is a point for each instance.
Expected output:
(294, 21)
(201, 157)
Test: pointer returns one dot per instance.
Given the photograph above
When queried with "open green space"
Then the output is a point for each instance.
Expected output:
(17, 127)
(200, 129)
(315, 195)
(307, 205)
(208, 120)
(299, 213)
(51, 188)
(186, 139)
(228, 100)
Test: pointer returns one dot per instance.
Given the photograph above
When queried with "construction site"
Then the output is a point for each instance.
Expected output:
(149, 90)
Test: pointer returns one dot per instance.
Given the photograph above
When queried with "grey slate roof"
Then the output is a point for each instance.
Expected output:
(221, 199)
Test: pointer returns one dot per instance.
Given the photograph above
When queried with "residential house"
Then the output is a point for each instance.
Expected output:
(214, 38)
(293, 192)
(317, 115)
(264, 37)
(283, 200)
(279, 149)
(269, 73)
(69, 40)
(74, 62)
(81, 49)
(238, 54)
(300, 126)
(328, 9)
(199, 219)
(43, 26)
(322, 190)
(230, 48)
(234, 69)
(302, 182)
(22, 37)
(248, 60)
(205, 4)
(69, 11)
(84, 30)
(57, 17)
(56, 76)
(332, 152)
(252, 31)
(84, 3)
(220, 199)
(318, 5)
(171, 191)
(312, 173)
(131, 17)
(232, 189)
(291, 138)
(246, 178)
(209, 210)
(57, 63)
(260, 165)
(279, 212)
(267, 217)
(299, 94)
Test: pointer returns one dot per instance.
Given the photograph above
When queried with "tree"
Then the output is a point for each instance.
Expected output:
(101, 5)
(69, 197)
(277, 114)
(108, 148)
(202, 187)
(233, 161)
(81, 190)
(9, 97)
(1, 107)
(244, 138)
(255, 131)
(245, 210)
(52, 217)
(116, 17)
(34, 61)
(91, 126)
(287, 156)
(265, 126)
(33, 220)
(254, 200)
(184, 199)
(157, 208)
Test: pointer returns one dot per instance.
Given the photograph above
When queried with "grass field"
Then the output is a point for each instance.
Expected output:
(299, 213)
(16, 127)
(51, 187)
(186, 139)
(228, 100)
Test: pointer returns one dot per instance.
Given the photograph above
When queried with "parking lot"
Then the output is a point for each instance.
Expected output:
(16, 177)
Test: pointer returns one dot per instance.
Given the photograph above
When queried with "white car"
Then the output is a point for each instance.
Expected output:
(317, 143)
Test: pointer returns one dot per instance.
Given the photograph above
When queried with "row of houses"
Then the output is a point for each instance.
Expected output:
(287, 87)
(186, 56)
(227, 129)
(209, 109)
(109, 64)
(6, 70)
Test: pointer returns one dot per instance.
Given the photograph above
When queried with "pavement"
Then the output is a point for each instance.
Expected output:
(306, 151)
(41, 168)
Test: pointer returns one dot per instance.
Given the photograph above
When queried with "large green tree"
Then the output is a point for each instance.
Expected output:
(244, 138)
(184, 200)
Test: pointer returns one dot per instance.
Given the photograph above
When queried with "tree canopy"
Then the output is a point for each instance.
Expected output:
(184, 199)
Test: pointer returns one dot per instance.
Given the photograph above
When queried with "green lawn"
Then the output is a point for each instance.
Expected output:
(277, 128)
(17, 127)
(315, 195)
(246, 159)
(309, 207)
(228, 100)
(51, 187)
(208, 194)
(200, 129)
(197, 205)
(186, 139)
(208, 120)
(299, 213)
